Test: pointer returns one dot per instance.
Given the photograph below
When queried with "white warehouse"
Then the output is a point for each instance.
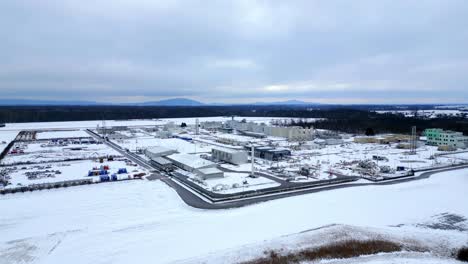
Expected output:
(292, 133)
(230, 155)
(154, 152)
(204, 169)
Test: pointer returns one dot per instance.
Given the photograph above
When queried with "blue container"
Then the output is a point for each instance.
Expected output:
(114, 177)
(90, 173)
(122, 170)
(104, 178)
(103, 172)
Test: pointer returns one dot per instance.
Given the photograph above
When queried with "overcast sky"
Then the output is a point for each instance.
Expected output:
(369, 51)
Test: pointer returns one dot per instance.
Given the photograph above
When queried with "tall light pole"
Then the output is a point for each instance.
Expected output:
(253, 161)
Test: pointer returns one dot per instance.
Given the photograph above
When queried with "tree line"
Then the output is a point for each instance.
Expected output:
(350, 120)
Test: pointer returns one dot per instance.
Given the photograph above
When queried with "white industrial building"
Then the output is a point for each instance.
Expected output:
(230, 155)
(195, 164)
(211, 125)
(154, 152)
(293, 133)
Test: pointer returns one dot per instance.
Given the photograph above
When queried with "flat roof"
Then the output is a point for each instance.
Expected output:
(159, 149)
(227, 150)
(210, 171)
(191, 160)
(162, 161)
(263, 148)
(279, 150)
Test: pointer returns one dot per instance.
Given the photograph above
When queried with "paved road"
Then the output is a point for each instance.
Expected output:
(194, 200)
(133, 157)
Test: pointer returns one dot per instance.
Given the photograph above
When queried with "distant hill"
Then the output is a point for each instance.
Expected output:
(15, 102)
(165, 102)
(173, 102)
(168, 102)
(288, 102)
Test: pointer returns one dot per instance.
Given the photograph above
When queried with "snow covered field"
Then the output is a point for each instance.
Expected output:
(425, 113)
(61, 134)
(410, 237)
(92, 124)
(72, 170)
(338, 158)
(6, 137)
(41, 152)
(146, 222)
(177, 144)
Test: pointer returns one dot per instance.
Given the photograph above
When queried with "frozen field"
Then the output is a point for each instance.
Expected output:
(6, 137)
(92, 124)
(35, 152)
(426, 113)
(61, 134)
(146, 222)
(68, 171)
(177, 144)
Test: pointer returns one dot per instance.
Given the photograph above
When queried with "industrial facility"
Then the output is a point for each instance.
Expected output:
(230, 155)
(440, 137)
(292, 133)
(270, 153)
(224, 155)
(204, 168)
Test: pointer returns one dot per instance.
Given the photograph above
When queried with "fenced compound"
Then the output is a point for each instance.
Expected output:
(56, 185)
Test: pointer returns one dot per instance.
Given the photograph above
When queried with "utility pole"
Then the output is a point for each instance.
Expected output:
(413, 141)
(253, 161)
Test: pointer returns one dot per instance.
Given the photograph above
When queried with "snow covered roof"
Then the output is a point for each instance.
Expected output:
(281, 149)
(263, 148)
(159, 150)
(227, 150)
(162, 161)
(191, 160)
(207, 171)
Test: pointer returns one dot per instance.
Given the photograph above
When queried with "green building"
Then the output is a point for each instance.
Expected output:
(440, 137)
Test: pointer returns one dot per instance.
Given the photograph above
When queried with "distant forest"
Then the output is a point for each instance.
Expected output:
(355, 119)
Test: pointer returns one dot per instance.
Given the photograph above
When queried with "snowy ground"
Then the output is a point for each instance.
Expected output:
(69, 171)
(177, 144)
(61, 134)
(237, 182)
(146, 222)
(425, 113)
(6, 137)
(42, 152)
(92, 124)
(336, 157)
(409, 237)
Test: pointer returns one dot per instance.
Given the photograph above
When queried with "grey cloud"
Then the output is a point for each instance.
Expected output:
(240, 50)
